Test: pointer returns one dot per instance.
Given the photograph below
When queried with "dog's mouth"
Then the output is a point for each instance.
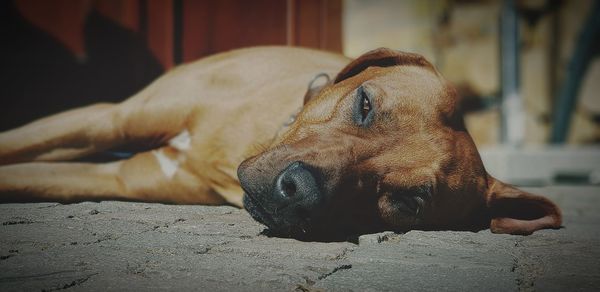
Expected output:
(258, 212)
(278, 224)
(304, 230)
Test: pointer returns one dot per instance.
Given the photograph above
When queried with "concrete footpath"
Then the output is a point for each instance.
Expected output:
(119, 246)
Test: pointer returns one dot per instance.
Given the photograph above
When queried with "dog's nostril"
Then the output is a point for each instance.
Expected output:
(296, 182)
(288, 188)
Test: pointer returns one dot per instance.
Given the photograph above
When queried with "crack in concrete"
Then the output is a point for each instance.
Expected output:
(526, 268)
(49, 206)
(309, 283)
(11, 279)
(17, 220)
(525, 280)
(164, 225)
(11, 253)
(335, 270)
(206, 249)
(5, 257)
(115, 236)
(104, 238)
(71, 284)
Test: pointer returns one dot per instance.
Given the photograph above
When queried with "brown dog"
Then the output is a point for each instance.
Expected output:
(382, 146)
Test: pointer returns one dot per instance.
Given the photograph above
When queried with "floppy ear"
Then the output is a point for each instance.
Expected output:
(381, 57)
(514, 211)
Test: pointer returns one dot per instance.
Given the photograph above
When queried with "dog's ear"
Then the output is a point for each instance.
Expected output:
(514, 211)
(381, 57)
(315, 86)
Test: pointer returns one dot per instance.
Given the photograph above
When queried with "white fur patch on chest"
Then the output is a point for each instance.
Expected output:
(169, 165)
(181, 142)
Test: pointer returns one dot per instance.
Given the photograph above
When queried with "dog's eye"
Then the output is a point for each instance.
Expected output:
(363, 109)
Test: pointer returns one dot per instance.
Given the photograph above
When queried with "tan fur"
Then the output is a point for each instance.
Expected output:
(234, 106)
(231, 104)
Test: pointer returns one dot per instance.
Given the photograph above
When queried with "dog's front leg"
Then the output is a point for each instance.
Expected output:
(63, 136)
(80, 132)
(140, 178)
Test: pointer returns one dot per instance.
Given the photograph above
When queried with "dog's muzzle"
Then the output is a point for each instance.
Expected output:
(286, 203)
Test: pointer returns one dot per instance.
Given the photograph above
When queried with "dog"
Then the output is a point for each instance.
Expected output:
(380, 146)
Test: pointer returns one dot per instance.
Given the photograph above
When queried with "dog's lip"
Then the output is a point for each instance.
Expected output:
(412, 205)
(259, 211)
(282, 228)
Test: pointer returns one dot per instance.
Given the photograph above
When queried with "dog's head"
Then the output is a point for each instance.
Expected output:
(383, 147)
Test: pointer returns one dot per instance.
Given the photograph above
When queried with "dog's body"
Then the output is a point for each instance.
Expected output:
(214, 112)
(201, 121)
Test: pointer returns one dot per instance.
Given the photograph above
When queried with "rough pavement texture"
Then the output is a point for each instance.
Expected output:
(138, 246)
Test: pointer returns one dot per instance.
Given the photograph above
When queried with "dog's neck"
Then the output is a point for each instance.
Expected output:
(313, 90)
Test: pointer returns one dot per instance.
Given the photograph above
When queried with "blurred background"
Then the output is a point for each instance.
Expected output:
(528, 70)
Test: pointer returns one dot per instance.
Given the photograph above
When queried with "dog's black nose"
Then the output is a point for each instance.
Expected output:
(297, 184)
